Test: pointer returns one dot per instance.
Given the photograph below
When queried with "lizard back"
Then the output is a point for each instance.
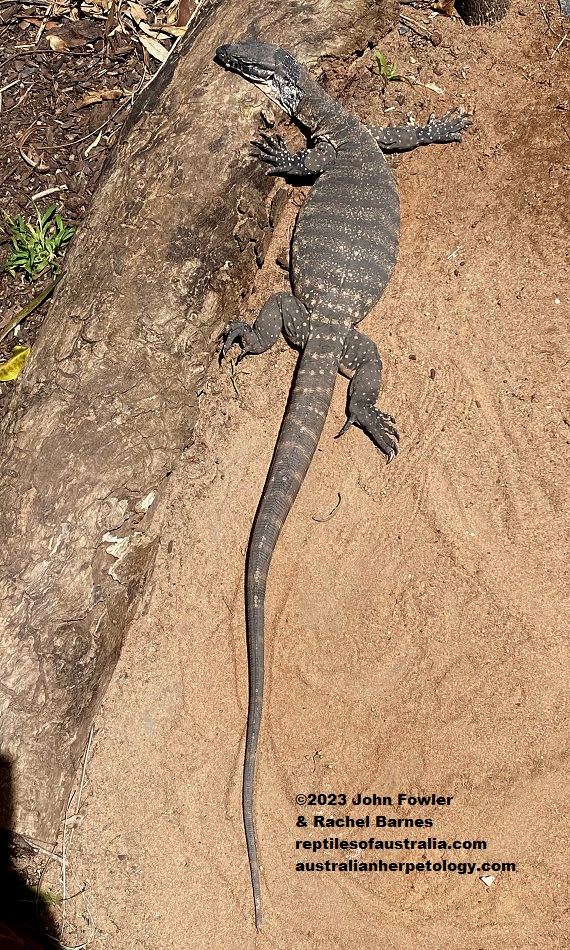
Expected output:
(346, 239)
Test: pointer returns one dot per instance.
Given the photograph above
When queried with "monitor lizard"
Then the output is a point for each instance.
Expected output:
(343, 253)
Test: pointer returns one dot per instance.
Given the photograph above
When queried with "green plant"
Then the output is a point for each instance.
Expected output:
(388, 72)
(36, 245)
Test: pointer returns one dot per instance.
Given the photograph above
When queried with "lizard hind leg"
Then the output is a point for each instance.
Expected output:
(361, 361)
(296, 320)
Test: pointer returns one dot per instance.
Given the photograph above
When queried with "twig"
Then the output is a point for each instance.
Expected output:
(416, 27)
(8, 175)
(53, 855)
(68, 838)
(53, 148)
(48, 191)
(233, 377)
(329, 516)
(84, 768)
(546, 17)
(42, 25)
(131, 99)
(9, 86)
(553, 53)
(30, 306)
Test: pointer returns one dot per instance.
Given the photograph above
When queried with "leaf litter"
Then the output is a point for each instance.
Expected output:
(70, 74)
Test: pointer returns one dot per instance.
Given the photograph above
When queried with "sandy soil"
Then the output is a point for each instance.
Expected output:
(415, 638)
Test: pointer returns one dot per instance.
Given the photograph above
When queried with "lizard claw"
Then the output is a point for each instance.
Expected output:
(270, 142)
(272, 150)
(236, 330)
(447, 129)
(379, 426)
(349, 422)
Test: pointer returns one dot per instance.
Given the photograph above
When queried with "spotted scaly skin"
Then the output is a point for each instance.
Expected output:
(343, 253)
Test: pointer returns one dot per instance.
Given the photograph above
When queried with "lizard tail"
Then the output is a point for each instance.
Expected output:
(298, 439)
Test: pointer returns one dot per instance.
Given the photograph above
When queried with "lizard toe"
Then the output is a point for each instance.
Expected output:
(234, 332)
(378, 426)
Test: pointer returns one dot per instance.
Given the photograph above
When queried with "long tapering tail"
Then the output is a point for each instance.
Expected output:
(298, 439)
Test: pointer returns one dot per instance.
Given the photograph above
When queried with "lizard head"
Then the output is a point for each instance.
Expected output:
(268, 67)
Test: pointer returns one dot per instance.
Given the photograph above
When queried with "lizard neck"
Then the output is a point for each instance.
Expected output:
(321, 115)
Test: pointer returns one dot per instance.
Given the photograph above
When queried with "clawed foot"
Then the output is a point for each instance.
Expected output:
(447, 129)
(273, 150)
(378, 425)
(237, 331)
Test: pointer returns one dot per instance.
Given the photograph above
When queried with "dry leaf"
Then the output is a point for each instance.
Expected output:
(164, 30)
(137, 12)
(74, 33)
(434, 88)
(161, 31)
(34, 160)
(12, 368)
(185, 11)
(57, 44)
(36, 21)
(94, 144)
(98, 95)
(156, 49)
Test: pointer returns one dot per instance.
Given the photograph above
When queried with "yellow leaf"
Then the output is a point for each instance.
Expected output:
(13, 367)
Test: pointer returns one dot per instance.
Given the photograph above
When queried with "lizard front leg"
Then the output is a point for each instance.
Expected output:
(309, 161)
(437, 131)
(281, 312)
(361, 361)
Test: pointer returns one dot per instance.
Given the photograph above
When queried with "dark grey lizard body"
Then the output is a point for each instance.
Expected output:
(344, 251)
